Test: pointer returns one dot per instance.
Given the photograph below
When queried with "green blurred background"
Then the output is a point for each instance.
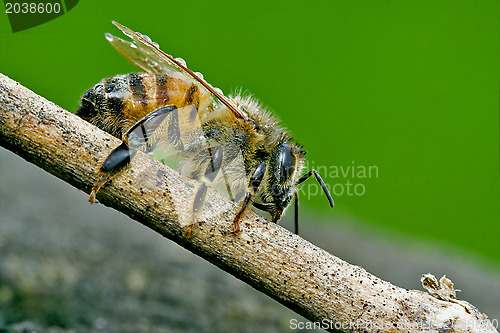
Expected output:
(410, 87)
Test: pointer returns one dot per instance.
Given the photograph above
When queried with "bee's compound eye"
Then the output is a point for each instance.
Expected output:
(287, 162)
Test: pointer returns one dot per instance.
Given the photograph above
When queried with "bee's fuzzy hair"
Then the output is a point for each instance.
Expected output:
(259, 113)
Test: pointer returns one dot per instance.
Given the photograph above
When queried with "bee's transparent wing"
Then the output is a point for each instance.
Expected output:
(229, 179)
(147, 56)
(169, 129)
(176, 135)
(142, 52)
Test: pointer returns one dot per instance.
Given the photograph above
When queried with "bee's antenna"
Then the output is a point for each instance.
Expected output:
(296, 219)
(321, 183)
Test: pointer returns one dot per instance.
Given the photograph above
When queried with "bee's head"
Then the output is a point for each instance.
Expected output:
(87, 110)
(285, 166)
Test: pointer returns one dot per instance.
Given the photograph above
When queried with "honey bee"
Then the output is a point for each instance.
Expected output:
(232, 141)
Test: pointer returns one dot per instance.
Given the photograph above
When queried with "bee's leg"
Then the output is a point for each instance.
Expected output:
(141, 133)
(135, 138)
(116, 161)
(198, 202)
(210, 173)
(254, 184)
(296, 208)
(228, 186)
(236, 222)
(321, 183)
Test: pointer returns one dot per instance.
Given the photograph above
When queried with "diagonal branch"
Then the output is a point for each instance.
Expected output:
(303, 277)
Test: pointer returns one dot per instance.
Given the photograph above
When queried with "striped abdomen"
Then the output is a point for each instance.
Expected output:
(116, 104)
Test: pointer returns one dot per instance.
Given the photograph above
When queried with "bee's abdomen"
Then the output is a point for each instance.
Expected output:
(117, 103)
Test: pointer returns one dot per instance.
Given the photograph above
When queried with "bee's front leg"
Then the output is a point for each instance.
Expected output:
(254, 184)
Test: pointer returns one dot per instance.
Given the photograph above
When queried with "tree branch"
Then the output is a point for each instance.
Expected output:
(274, 261)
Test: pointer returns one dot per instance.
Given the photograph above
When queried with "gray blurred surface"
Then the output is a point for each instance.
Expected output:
(66, 266)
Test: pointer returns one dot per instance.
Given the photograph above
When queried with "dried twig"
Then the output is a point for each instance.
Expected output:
(303, 277)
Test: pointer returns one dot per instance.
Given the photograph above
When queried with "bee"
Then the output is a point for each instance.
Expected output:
(232, 141)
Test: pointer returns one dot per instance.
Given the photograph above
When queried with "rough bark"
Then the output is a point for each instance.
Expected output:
(321, 287)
